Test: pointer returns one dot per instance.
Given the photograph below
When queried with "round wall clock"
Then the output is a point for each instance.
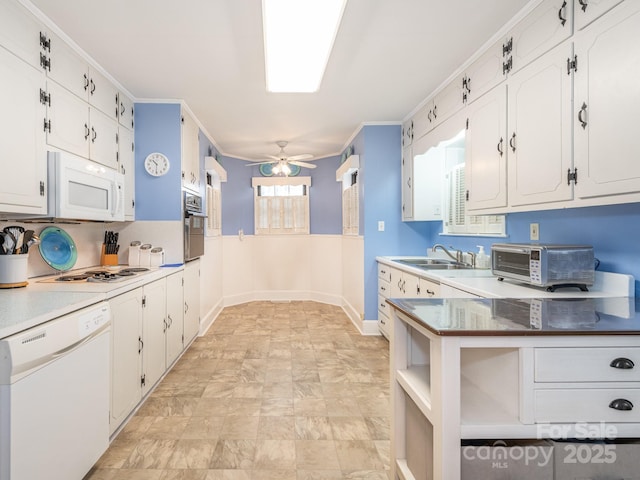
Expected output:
(156, 164)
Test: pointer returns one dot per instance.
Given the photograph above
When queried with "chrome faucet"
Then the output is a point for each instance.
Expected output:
(457, 257)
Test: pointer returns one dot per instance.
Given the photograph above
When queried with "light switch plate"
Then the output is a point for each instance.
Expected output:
(381, 225)
(534, 231)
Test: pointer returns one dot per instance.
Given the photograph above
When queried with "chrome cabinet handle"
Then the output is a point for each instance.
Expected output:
(86, 82)
(582, 116)
(87, 132)
(140, 344)
(621, 404)
(512, 142)
(622, 363)
(583, 4)
(500, 148)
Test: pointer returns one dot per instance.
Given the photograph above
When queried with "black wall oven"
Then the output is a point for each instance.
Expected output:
(194, 221)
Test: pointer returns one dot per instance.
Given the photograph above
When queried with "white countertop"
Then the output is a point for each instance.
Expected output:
(485, 284)
(38, 302)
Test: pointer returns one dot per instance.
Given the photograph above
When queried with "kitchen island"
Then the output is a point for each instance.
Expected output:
(464, 369)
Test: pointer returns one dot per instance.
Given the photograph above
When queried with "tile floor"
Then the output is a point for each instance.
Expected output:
(287, 391)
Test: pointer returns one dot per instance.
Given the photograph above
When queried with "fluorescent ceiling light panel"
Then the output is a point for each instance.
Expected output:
(298, 37)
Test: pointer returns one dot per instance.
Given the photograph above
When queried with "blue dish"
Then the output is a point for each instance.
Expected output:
(57, 248)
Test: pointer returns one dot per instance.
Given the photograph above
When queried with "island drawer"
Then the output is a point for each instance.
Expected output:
(384, 272)
(600, 364)
(620, 405)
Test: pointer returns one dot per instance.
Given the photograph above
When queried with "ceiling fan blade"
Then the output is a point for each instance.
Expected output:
(302, 164)
(304, 156)
(273, 156)
(261, 163)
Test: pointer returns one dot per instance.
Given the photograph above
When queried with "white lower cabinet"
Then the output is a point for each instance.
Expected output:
(126, 356)
(191, 300)
(146, 339)
(175, 318)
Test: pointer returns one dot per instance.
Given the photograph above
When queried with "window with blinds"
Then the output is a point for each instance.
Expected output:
(456, 220)
(281, 205)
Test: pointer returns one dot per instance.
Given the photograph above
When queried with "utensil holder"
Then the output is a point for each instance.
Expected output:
(13, 270)
(108, 258)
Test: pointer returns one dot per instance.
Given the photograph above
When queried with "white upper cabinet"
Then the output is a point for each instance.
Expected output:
(190, 153)
(20, 32)
(607, 94)
(68, 121)
(586, 11)
(422, 121)
(447, 101)
(539, 130)
(407, 184)
(407, 133)
(103, 142)
(125, 111)
(102, 94)
(549, 24)
(483, 74)
(22, 148)
(486, 151)
(126, 157)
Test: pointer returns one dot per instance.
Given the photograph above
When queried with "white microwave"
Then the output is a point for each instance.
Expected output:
(80, 189)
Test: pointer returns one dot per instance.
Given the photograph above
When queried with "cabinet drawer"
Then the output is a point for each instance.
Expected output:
(587, 364)
(384, 288)
(384, 323)
(587, 405)
(383, 306)
(384, 272)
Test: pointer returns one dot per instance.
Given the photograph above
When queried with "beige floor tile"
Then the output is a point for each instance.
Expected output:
(240, 427)
(192, 454)
(275, 455)
(313, 428)
(150, 454)
(167, 428)
(356, 455)
(316, 455)
(276, 428)
(203, 428)
(309, 407)
(304, 474)
(349, 428)
(233, 454)
(183, 474)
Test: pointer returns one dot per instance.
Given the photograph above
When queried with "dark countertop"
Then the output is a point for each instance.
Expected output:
(523, 316)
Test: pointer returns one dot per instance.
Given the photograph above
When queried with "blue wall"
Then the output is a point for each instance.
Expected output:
(325, 201)
(380, 149)
(158, 130)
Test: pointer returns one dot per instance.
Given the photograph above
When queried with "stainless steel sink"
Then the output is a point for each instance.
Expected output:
(433, 263)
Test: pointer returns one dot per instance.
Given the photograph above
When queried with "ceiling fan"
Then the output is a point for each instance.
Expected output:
(282, 161)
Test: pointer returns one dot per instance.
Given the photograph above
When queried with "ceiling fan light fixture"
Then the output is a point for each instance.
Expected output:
(298, 38)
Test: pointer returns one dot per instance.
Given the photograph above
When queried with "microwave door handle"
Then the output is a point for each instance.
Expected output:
(116, 198)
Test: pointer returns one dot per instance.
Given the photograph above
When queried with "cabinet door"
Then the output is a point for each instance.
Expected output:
(428, 177)
(153, 333)
(20, 32)
(407, 187)
(586, 11)
(125, 111)
(486, 151)
(484, 73)
(539, 132)
(126, 348)
(448, 101)
(22, 147)
(126, 159)
(398, 287)
(191, 300)
(69, 117)
(549, 24)
(190, 153)
(429, 289)
(407, 133)
(411, 285)
(103, 95)
(607, 94)
(175, 328)
(68, 68)
(423, 121)
(104, 139)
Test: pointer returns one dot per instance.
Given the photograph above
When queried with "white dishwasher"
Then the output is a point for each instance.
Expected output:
(54, 397)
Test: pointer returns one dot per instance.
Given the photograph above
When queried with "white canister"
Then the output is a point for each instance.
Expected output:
(156, 257)
(134, 253)
(145, 255)
(13, 270)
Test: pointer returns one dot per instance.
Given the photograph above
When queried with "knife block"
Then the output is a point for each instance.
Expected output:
(107, 259)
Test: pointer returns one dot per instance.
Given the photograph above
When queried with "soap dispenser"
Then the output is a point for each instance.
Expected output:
(482, 259)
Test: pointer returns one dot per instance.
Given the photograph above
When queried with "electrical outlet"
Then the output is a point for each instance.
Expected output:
(381, 226)
(534, 231)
